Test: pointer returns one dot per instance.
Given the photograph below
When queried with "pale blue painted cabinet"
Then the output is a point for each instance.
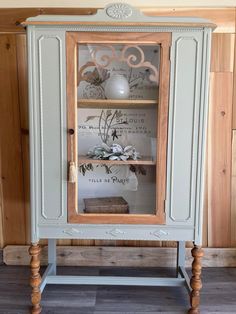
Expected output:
(118, 107)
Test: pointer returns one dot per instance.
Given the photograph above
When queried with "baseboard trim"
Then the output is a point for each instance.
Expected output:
(120, 256)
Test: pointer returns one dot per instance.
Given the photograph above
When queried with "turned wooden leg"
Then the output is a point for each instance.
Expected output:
(35, 278)
(195, 282)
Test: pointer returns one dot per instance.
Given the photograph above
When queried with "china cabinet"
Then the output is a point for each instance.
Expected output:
(118, 112)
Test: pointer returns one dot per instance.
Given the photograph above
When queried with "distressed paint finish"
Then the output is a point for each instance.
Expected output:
(186, 131)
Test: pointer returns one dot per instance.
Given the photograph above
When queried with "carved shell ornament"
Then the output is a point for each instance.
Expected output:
(119, 11)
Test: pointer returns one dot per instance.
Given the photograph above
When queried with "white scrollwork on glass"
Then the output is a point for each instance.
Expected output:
(132, 55)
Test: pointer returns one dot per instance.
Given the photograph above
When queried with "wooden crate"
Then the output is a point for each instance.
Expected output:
(114, 205)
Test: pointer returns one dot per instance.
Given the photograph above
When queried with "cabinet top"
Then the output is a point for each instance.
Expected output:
(119, 14)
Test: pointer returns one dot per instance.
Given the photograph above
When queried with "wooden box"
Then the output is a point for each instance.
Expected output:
(108, 205)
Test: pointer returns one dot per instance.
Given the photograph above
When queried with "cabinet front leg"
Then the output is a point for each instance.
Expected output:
(195, 282)
(35, 278)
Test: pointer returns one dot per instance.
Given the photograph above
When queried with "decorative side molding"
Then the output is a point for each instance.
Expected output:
(41, 121)
(192, 175)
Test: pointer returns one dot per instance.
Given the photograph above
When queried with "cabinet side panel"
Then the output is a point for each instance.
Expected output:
(33, 135)
(50, 59)
(202, 135)
(186, 59)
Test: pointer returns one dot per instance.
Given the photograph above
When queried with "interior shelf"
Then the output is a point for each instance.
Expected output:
(143, 161)
(119, 103)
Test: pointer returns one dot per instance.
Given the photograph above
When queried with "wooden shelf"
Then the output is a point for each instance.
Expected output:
(116, 103)
(143, 161)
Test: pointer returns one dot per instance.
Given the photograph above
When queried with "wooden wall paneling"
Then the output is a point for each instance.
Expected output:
(139, 243)
(21, 51)
(169, 244)
(222, 57)
(1, 210)
(120, 256)
(234, 93)
(205, 205)
(11, 19)
(64, 242)
(233, 192)
(83, 242)
(10, 143)
(224, 18)
(105, 243)
(219, 159)
(233, 182)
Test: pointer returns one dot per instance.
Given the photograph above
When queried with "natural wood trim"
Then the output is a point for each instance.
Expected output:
(126, 38)
(120, 256)
(71, 86)
(164, 39)
(159, 218)
(119, 103)
(143, 161)
(162, 123)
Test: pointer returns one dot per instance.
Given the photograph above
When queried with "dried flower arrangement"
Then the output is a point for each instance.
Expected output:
(107, 123)
(113, 152)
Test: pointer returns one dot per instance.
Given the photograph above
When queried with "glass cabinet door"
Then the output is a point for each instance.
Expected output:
(117, 110)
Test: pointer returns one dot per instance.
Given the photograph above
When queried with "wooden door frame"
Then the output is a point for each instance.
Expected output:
(72, 41)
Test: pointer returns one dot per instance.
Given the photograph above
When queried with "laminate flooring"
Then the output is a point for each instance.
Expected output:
(218, 294)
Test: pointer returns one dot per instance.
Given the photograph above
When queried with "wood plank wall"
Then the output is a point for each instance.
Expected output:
(220, 194)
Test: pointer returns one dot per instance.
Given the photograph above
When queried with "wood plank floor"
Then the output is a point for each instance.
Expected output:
(218, 294)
